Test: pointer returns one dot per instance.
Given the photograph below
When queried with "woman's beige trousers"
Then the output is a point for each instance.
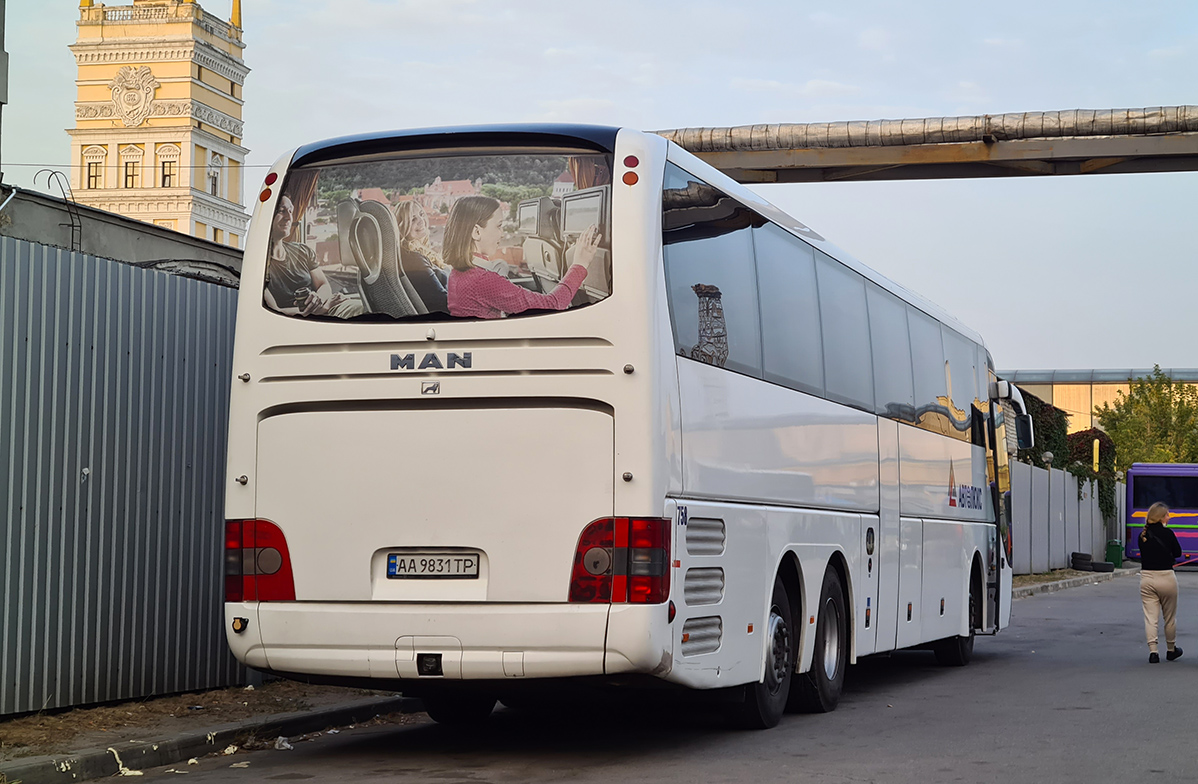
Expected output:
(1158, 591)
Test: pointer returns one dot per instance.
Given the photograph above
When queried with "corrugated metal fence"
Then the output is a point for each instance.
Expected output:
(1054, 514)
(114, 386)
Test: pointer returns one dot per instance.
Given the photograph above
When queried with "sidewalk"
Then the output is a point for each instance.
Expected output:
(1072, 582)
(130, 758)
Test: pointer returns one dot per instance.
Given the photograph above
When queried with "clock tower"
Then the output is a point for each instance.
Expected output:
(158, 125)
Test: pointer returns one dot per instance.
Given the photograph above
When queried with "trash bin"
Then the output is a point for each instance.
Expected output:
(1114, 553)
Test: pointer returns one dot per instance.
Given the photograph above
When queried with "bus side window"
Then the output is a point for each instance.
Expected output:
(849, 374)
(891, 345)
(792, 346)
(711, 278)
(927, 368)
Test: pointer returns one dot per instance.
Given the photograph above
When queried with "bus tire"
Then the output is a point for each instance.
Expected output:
(765, 701)
(818, 690)
(459, 707)
(958, 651)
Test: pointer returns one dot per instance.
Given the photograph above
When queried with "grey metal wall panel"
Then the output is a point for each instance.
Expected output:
(1097, 528)
(1091, 528)
(114, 386)
(1073, 536)
(1058, 556)
(1021, 517)
(1039, 520)
(1120, 532)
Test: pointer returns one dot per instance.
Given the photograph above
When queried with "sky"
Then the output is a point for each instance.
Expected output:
(1054, 272)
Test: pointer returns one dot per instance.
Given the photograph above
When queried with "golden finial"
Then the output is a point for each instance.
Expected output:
(85, 3)
(236, 20)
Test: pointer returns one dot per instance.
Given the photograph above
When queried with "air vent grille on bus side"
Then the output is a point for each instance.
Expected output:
(705, 536)
(703, 586)
(702, 635)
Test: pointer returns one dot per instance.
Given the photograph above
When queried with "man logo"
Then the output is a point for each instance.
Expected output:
(430, 361)
(430, 388)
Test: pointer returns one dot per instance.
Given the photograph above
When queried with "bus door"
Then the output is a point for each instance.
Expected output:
(999, 573)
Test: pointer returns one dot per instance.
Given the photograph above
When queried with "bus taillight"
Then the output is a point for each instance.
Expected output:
(257, 563)
(648, 560)
(622, 560)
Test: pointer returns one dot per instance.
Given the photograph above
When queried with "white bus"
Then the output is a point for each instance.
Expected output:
(516, 406)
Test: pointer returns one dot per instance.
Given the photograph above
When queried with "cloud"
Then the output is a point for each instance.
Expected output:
(1168, 53)
(813, 88)
(584, 110)
(874, 39)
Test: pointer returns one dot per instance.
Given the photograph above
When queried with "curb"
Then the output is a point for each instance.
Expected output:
(140, 755)
(1072, 582)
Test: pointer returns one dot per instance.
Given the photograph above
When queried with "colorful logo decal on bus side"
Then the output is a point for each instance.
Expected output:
(952, 485)
(964, 496)
(430, 361)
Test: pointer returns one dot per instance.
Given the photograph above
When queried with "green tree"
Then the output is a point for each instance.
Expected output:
(1155, 422)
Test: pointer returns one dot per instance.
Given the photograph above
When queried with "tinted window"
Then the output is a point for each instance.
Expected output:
(791, 343)
(894, 393)
(962, 356)
(848, 369)
(376, 240)
(927, 365)
(983, 376)
(1176, 492)
(710, 275)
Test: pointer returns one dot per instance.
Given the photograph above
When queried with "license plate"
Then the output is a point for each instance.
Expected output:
(431, 566)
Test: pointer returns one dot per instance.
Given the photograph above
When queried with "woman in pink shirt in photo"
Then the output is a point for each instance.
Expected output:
(471, 237)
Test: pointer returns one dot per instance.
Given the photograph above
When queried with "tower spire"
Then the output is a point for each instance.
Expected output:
(85, 3)
(236, 20)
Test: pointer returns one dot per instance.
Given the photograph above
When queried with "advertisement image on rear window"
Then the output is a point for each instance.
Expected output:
(441, 238)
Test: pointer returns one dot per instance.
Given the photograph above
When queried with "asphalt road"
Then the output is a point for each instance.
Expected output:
(1064, 695)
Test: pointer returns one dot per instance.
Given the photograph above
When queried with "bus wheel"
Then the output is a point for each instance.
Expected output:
(765, 701)
(958, 651)
(459, 707)
(818, 690)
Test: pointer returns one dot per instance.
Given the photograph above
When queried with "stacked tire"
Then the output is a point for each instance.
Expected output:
(1084, 562)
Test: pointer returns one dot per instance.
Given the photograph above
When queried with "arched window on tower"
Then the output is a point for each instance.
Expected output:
(216, 167)
(93, 166)
(168, 166)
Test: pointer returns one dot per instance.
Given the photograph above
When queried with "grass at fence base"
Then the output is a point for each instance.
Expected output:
(1022, 580)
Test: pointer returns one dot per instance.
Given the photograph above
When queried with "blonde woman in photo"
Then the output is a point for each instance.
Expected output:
(420, 262)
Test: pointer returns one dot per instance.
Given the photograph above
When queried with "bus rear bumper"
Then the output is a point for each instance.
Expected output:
(389, 641)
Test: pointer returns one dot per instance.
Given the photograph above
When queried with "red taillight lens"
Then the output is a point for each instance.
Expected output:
(648, 561)
(234, 589)
(591, 578)
(622, 560)
(257, 563)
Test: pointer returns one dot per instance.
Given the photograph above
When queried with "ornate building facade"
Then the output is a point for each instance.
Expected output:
(158, 124)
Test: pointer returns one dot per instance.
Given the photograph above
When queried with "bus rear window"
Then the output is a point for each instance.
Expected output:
(441, 238)
(1176, 492)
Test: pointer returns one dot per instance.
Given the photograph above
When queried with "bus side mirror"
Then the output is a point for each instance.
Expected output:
(1024, 436)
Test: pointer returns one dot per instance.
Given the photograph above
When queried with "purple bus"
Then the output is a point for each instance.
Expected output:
(1176, 484)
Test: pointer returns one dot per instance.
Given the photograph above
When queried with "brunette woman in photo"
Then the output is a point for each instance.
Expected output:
(420, 262)
(1159, 550)
(472, 237)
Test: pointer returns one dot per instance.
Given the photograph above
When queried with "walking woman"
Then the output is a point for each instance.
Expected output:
(1159, 550)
